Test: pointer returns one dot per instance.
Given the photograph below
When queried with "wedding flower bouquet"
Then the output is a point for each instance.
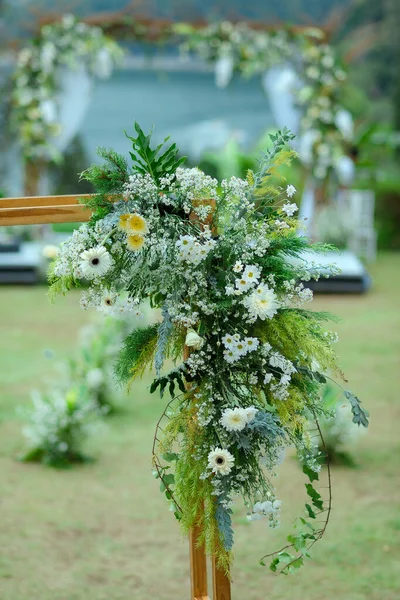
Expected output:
(217, 259)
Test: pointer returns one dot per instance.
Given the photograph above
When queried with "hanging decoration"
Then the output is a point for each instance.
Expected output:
(61, 48)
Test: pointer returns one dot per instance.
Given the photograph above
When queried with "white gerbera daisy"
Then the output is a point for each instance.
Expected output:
(251, 412)
(220, 461)
(262, 303)
(95, 262)
(234, 419)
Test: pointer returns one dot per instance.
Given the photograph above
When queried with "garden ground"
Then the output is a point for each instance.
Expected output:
(102, 531)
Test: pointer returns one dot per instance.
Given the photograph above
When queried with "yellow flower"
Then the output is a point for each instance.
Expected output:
(136, 224)
(122, 221)
(135, 242)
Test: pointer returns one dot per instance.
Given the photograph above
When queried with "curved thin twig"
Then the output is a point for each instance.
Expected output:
(155, 457)
(320, 532)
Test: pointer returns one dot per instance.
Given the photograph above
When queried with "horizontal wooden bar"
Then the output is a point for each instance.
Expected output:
(27, 201)
(37, 215)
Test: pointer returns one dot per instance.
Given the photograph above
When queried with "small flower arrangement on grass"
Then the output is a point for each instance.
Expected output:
(60, 423)
(216, 258)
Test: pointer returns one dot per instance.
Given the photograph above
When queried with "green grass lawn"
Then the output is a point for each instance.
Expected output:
(103, 531)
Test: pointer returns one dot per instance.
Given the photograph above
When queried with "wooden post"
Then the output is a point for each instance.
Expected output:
(32, 172)
(198, 564)
(66, 209)
(198, 567)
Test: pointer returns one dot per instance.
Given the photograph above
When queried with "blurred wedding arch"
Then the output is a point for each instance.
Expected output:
(302, 76)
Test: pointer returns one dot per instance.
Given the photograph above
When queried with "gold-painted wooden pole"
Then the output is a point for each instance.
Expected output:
(221, 583)
(198, 563)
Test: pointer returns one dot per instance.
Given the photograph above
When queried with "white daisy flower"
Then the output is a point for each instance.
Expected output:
(290, 191)
(108, 302)
(95, 262)
(251, 274)
(251, 412)
(238, 267)
(240, 348)
(185, 244)
(229, 341)
(230, 356)
(234, 419)
(242, 285)
(220, 461)
(251, 343)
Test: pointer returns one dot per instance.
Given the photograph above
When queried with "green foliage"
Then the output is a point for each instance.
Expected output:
(173, 377)
(267, 425)
(268, 160)
(360, 415)
(107, 179)
(157, 162)
(224, 522)
(59, 285)
(137, 353)
(295, 331)
(165, 329)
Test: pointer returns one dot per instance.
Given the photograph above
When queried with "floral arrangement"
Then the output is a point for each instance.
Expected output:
(328, 125)
(217, 259)
(239, 48)
(65, 43)
(61, 421)
(59, 424)
(248, 50)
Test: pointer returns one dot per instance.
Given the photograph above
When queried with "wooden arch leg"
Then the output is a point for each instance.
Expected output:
(198, 573)
(221, 583)
(198, 568)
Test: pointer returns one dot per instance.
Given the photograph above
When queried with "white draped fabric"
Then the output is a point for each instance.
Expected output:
(71, 104)
(279, 84)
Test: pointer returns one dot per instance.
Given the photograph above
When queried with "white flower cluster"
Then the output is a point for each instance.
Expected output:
(280, 388)
(140, 186)
(194, 184)
(110, 302)
(268, 508)
(235, 347)
(192, 251)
